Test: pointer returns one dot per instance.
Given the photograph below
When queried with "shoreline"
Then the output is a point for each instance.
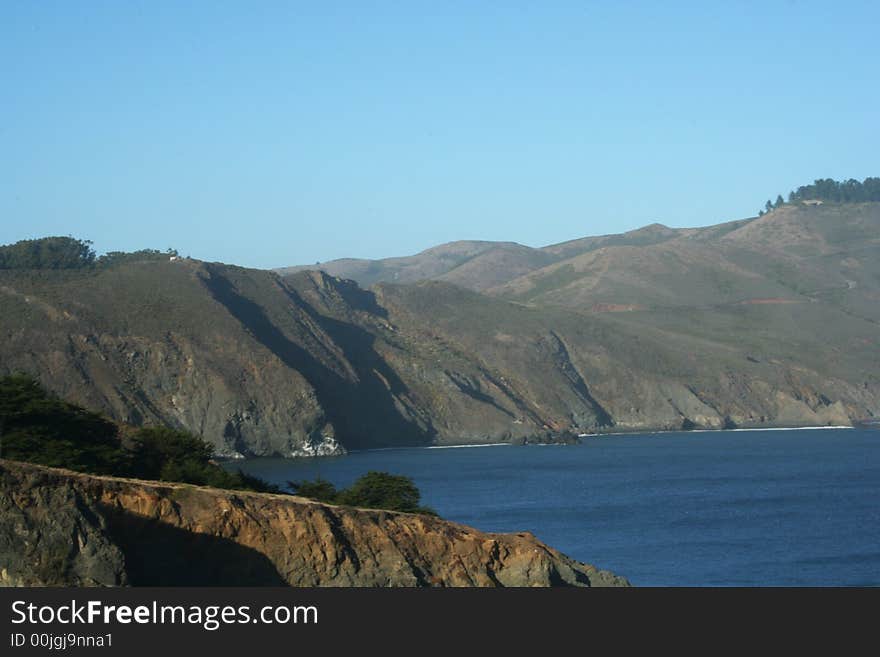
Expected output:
(596, 435)
(648, 431)
(549, 444)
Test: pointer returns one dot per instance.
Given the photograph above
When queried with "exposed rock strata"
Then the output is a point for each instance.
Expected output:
(63, 528)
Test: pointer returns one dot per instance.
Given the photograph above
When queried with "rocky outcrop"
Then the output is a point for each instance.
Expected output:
(63, 528)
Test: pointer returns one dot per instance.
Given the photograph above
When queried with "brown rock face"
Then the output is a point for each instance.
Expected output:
(63, 528)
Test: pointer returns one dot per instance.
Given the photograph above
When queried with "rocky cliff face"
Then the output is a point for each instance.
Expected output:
(62, 528)
(254, 364)
(149, 343)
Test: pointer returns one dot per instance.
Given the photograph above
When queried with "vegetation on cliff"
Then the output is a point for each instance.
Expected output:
(374, 490)
(831, 191)
(165, 454)
(69, 253)
(47, 253)
(37, 427)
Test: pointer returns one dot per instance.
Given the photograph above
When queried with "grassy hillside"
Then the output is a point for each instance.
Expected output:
(764, 322)
(753, 365)
(432, 263)
(796, 253)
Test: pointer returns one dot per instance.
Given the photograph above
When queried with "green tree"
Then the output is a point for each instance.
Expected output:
(40, 428)
(828, 190)
(119, 257)
(381, 490)
(153, 448)
(47, 253)
(319, 489)
(37, 427)
(374, 490)
(167, 454)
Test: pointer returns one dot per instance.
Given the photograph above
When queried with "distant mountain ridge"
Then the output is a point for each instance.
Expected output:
(784, 254)
(482, 265)
(437, 263)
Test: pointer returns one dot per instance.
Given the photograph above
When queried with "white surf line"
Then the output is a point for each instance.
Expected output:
(388, 449)
(836, 426)
(638, 433)
(594, 435)
(465, 446)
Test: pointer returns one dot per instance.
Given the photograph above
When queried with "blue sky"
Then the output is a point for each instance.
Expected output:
(268, 134)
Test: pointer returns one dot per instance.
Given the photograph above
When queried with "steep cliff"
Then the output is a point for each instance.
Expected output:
(151, 343)
(63, 528)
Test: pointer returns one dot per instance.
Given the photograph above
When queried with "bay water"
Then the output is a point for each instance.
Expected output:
(711, 508)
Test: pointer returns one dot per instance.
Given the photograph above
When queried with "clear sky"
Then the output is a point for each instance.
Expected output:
(269, 134)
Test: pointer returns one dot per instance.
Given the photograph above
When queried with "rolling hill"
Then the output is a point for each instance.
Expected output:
(797, 253)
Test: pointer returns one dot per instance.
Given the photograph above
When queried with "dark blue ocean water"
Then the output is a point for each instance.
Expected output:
(798, 507)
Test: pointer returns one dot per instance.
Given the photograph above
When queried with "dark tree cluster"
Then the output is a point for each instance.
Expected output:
(37, 427)
(831, 191)
(69, 253)
(374, 490)
(848, 191)
(164, 454)
(47, 253)
(118, 257)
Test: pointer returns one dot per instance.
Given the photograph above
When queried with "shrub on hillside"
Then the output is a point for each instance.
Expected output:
(319, 489)
(37, 427)
(374, 490)
(47, 253)
(40, 428)
(167, 454)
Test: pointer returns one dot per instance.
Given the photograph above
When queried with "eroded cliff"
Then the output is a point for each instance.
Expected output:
(59, 527)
